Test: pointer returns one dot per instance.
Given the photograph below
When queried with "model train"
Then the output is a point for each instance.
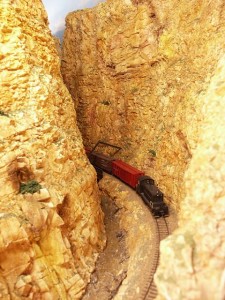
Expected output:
(136, 179)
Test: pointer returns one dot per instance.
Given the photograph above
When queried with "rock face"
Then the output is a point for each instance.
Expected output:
(197, 250)
(51, 225)
(148, 76)
(133, 85)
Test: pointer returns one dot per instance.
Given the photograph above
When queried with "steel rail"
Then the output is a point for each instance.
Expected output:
(149, 290)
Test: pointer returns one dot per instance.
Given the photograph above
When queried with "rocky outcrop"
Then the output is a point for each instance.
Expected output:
(147, 75)
(192, 263)
(127, 68)
(51, 227)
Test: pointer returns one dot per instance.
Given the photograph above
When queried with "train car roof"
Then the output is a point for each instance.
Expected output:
(124, 166)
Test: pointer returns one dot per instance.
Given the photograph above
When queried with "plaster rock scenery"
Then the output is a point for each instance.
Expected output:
(50, 222)
(149, 76)
(145, 75)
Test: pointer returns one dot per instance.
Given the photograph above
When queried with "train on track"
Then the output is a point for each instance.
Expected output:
(136, 179)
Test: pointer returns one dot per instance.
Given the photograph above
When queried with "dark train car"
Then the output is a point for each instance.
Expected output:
(87, 151)
(152, 196)
(98, 170)
(126, 173)
(99, 173)
(101, 161)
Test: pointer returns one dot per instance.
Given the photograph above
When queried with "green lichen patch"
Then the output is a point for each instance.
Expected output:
(134, 89)
(106, 102)
(152, 152)
(30, 187)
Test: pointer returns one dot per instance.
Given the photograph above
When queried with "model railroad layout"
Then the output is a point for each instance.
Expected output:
(149, 290)
(150, 194)
(136, 179)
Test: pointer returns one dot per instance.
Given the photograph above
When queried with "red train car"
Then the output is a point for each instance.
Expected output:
(126, 173)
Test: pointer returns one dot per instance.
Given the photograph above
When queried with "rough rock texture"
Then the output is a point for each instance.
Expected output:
(50, 220)
(148, 76)
(58, 46)
(127, 68)
(197, 249)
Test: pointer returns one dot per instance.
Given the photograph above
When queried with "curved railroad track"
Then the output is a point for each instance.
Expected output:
(149, 290)
(143, 240)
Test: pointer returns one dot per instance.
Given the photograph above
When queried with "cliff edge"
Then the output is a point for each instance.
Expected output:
(51, 224)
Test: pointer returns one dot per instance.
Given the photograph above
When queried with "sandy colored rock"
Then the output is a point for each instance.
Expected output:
(58, 46)
(197, 249)
(49, 237)
(123, 69)
(148, 76)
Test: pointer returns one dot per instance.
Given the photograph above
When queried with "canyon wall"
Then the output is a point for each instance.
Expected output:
(136, 73)
(51, 226)
(148, 76)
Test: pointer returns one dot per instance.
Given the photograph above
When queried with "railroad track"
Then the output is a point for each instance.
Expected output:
(149, 290)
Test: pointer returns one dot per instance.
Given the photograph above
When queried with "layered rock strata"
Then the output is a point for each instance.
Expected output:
(51, 225)
(148, 76)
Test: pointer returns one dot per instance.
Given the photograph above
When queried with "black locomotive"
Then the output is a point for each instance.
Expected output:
(152, 196)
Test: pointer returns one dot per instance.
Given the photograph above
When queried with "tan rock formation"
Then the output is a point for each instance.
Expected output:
(193, 259)
(123, 71)
(58, 46)
(50, 221)
(147, 75)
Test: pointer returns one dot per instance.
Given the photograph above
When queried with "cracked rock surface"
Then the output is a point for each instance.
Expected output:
(148, 75)
(51, 224)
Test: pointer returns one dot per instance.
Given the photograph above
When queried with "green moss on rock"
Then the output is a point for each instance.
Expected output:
(30, 187)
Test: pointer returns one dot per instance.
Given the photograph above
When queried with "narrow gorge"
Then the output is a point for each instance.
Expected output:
(149, 76)
(146, 75)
